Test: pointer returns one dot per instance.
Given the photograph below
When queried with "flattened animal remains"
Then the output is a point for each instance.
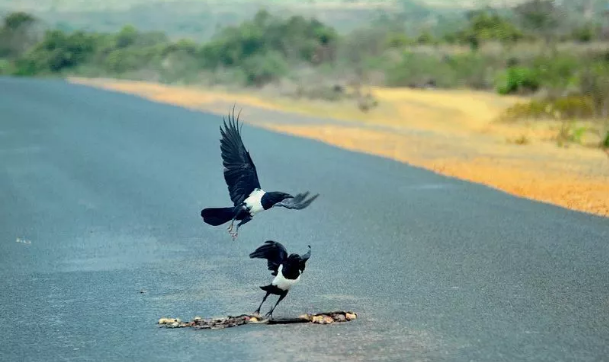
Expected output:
(234, 321)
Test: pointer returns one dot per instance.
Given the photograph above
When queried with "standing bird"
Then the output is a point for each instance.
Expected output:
(287, 270)
(243, 185)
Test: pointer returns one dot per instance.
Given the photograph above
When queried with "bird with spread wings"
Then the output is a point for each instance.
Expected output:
(287, 270)
(243, 185)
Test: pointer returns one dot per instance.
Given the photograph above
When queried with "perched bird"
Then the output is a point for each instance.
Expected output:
(243, 186)
(287, 270)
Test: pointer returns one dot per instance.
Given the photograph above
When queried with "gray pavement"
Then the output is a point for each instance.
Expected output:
(106, 190)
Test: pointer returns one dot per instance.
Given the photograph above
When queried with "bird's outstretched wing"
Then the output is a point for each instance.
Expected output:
(297, 202)
(274, 252)
(239, 169)
(303, 259)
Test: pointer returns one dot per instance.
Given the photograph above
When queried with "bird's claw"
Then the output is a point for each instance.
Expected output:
(233, 235)
(269, 315)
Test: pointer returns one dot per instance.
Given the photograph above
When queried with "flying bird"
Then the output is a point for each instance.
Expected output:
(287, 270)
(243, 185)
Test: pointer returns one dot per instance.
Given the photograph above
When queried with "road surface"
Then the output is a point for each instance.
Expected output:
(100, 195)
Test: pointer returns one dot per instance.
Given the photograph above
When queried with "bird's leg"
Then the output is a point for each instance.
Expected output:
(243, 222)
(270, 313)
(232, 222)
(230, 226)
(261, 303)
(230, 229)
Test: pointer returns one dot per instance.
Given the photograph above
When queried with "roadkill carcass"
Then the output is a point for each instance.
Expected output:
(234, 321)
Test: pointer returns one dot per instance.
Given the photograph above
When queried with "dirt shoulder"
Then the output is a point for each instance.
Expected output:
(449, 132)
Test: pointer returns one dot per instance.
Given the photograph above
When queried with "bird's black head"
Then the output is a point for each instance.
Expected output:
(301, 260)
(295, 264)
(271, 198)
(294, 258)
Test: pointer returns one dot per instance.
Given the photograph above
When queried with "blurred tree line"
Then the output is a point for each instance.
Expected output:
(525, 50)
(262, 49)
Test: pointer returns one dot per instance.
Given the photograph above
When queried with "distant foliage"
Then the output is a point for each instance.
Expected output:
(605, 141)
(264, 45)
(519, 80)
(484, 26)
(557, 72)
(425, 38)
(6, 67)
(56, 52)
(539, 16)
(585, 33)
(522, 51)
(594, 83)
(561, 108)
(264, 68)
(262, 49)
(17, 34)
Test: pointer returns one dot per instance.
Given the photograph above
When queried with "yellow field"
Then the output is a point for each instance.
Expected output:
(460, 137)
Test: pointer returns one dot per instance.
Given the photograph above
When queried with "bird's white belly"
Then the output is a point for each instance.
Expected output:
(254, 201)
(282, 282)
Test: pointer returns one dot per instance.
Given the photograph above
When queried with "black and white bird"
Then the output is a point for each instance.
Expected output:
(243, 185)
(287, 270)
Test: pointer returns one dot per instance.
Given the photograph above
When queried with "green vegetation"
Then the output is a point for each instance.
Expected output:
(16, 35)
(522, 51)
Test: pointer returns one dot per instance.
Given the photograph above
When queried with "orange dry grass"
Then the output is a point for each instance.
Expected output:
(551, 178)
(441, 110)
(476, 149)
(186, 97)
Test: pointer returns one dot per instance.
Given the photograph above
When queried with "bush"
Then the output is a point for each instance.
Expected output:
(605, 141)
(460, 70)
(518, 80)
(56, 52)
(17, 34)
(472, 70)
(484, 26)
(594, 83)
(295, 38)
(261, 69)
(179, 67)
(425, 38)
(6, 67)
(128, 59)
(532, 109)
(418, 68)
(398, 40)
(585, 33)
(561, 108)
(558, 72)
(574, 107)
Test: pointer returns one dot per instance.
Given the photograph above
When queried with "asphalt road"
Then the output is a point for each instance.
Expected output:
(106, 190)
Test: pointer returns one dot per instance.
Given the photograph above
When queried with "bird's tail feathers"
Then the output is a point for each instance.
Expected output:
(268, 288)
(217, 215)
